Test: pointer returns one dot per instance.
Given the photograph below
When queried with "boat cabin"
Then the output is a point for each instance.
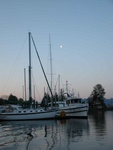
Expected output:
(73, 101)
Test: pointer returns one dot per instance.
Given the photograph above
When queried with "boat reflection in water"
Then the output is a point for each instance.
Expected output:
(49, 134)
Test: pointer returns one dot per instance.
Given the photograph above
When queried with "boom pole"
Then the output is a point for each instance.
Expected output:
(43, 69)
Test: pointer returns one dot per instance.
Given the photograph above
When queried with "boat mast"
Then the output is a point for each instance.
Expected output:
(58, 84)
(34, 92)
(30, 93)
(42, 69)
(25, 82)
(51, 69)
(67, 87)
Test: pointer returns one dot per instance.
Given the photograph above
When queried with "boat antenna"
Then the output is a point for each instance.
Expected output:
(67, 87)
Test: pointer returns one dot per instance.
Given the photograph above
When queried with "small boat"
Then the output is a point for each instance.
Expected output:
(71, 108)
(17, 113)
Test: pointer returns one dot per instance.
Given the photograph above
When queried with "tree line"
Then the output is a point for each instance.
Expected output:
(12, 99)
(96, 96)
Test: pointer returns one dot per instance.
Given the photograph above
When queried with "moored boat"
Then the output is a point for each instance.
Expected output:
(71, 108)
(13, 112)
(18, 113)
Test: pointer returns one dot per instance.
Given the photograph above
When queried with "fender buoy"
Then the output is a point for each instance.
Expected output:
(62, 114)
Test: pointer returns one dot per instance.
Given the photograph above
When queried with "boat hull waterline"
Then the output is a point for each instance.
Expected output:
(73, 112)
(28, 115)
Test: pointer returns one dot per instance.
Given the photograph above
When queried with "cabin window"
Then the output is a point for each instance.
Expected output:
(72, 101)
(68, 102)
(57, 105)
(61, 105)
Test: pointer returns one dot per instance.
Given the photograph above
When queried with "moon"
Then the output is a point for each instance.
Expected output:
(61, 46)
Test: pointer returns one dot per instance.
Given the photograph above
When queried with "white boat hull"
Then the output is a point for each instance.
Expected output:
(28, 116)
(78, 111)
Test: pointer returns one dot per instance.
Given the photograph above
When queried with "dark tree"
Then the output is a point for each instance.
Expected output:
(12, 99)
(55, 98)
(97, 95)
(61, 96)
(2, 101)
(20, 101)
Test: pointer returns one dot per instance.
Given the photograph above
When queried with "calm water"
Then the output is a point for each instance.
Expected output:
(96, 133)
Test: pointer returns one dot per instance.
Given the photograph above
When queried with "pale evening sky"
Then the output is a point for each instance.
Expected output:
(81, 39)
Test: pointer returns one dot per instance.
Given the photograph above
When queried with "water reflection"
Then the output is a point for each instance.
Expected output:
(45, 135)
(99, 123)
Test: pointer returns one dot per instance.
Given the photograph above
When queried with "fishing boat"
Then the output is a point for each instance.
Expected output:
(17, 113)
(71, 108)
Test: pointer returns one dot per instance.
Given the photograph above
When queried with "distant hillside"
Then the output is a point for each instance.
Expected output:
(109, 102)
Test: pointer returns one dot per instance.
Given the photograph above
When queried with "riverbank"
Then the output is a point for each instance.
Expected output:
(106, 108)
